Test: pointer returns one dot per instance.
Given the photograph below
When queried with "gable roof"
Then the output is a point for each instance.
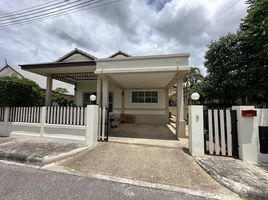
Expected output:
(119, 53)
(8, 66)
(76, 51)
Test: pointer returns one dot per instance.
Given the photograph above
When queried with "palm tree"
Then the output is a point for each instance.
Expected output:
(192, 78)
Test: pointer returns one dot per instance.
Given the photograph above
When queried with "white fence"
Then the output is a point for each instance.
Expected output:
(59, 122)
(25, 114)
(65, 115)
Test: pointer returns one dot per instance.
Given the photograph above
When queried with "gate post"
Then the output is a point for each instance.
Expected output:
(196, 130)
(92, 112)
(6, 117)
(247, 131)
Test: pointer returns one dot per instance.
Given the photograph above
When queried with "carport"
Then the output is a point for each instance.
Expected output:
(140, 85)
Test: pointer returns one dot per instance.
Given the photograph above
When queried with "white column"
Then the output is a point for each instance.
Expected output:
(92, 124)
(180, 123)
(105, 93)
(99, 92)
(196, 130)
(48, 90)
(43, 121)
(167, 107)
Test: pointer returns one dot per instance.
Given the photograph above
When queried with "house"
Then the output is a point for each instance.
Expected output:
(136, 85)
(15, 71)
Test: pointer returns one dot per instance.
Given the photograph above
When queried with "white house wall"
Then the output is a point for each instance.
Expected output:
(117, 99)
(129, 64)
(144, 112)
(147, 112)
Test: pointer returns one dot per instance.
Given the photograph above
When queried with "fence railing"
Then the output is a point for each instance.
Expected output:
(65, 115)
(54, 115)
(25, 114)
(2, 114)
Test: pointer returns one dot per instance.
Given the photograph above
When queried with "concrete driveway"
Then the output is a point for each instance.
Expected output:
(172, 166)
(144, 134)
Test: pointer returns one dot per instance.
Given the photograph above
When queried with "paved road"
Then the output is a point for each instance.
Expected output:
(20, 182)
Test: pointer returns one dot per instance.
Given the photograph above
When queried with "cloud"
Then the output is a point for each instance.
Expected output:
(136, 26)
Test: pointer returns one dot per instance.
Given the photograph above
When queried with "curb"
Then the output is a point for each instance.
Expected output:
(49, 159)
(141, 183)
(22, 158)
(239, 188)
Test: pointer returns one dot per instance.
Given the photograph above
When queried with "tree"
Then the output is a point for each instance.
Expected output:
(225, 63)
(20, 92)
(61, 90)
(255, 30)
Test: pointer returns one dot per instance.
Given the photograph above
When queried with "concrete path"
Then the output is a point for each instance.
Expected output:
(169, 166)
(248, 179)
(36, 150)
(20, 182)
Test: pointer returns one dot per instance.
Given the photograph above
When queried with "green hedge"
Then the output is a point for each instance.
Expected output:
(20, 92)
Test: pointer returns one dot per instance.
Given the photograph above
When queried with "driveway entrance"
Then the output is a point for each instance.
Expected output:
(146, 134)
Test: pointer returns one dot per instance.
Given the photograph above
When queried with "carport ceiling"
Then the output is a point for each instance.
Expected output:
(143, 80)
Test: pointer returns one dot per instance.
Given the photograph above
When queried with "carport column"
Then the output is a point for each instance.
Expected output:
(167, 106)
(105, 93)
(180, 123)
(48, 90)
(105, 100)
(99, 92)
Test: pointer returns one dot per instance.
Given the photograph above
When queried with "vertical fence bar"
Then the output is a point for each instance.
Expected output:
(223, 144)
(210, 131)
(229, 134)
(216, 131)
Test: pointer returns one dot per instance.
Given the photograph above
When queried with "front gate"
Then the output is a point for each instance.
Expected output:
(220, 132)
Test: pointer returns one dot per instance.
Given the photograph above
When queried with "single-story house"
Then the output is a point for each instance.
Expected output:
(136, 85)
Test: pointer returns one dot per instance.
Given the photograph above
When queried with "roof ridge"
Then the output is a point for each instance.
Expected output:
(119, 53)
(12, 68)
(73, 52)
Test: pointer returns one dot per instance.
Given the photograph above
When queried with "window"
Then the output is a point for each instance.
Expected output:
(144, 97)
(111, 100)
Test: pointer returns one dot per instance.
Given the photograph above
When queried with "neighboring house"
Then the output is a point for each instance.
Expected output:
(8, 70)
(136, 85)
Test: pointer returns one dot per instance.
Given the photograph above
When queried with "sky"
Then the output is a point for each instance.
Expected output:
(137, 27)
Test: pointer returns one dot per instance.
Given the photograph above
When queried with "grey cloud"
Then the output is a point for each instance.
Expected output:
(132, 26)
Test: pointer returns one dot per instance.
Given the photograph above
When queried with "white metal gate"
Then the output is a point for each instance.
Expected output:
(220, 132)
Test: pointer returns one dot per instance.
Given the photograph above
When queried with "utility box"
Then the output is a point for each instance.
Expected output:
(263, 136)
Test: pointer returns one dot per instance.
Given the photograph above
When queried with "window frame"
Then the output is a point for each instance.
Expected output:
(141, 98)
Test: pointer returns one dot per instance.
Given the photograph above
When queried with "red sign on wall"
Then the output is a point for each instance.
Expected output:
(249, 113)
